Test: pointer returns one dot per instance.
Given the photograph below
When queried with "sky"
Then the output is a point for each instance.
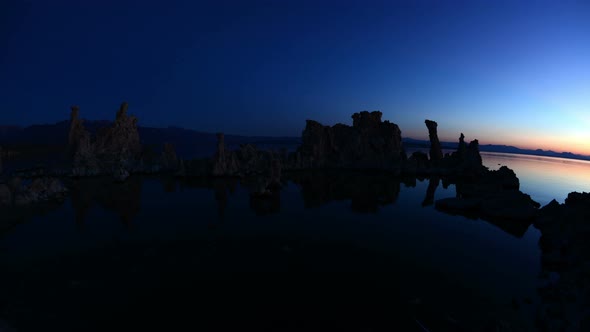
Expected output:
(504, 72)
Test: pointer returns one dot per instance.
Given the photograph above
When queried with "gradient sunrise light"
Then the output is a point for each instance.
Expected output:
(515, 73)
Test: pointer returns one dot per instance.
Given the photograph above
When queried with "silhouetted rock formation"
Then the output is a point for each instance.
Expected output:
(565, 259)
(368, 144)
(170, 160)
(77, 129)
(248, 162)
(81, 148)
(492, 196)
(40, 190)
(1, 156)
(116, 150)
(465, 162)
(462, 148)
(417, 164)
(119, 146)
(435, 148)
(252, 161)
(224, 164)
(472, 160)
(374, 144)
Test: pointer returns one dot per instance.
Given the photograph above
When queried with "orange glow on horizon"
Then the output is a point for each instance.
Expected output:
(571, 143)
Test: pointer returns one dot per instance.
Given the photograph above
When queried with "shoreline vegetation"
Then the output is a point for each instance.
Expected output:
(369, 146)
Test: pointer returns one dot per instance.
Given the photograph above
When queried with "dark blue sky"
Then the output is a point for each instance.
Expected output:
(499, 72)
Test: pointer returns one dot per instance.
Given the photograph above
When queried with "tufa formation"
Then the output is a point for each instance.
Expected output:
(435, 148)
(368, 143)
(115, 150)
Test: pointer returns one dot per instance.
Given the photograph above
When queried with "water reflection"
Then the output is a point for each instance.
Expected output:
(11, 217)
(266, 204)
(544, 178)
(432, 185)
(366, 194)
(221, 188)
(122, 198)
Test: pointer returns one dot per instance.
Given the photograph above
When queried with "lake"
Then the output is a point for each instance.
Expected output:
(331, 251)
(544, 178)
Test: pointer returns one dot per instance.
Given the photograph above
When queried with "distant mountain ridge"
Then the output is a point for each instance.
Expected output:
(191, 143)
(500, 149)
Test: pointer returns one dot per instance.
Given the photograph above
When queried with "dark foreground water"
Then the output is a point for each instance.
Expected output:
(331, 251)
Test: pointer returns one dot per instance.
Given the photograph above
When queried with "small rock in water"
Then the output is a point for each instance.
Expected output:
(121, 175)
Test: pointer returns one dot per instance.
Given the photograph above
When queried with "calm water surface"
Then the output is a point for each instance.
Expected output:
(544, 178)
(329, 251)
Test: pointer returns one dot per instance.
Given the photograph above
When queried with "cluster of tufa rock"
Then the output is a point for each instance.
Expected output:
(369, 143)
(248, 161)
(494, 195)
(466, 161)
(565, 263)
(15, 193)
(115, 150)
